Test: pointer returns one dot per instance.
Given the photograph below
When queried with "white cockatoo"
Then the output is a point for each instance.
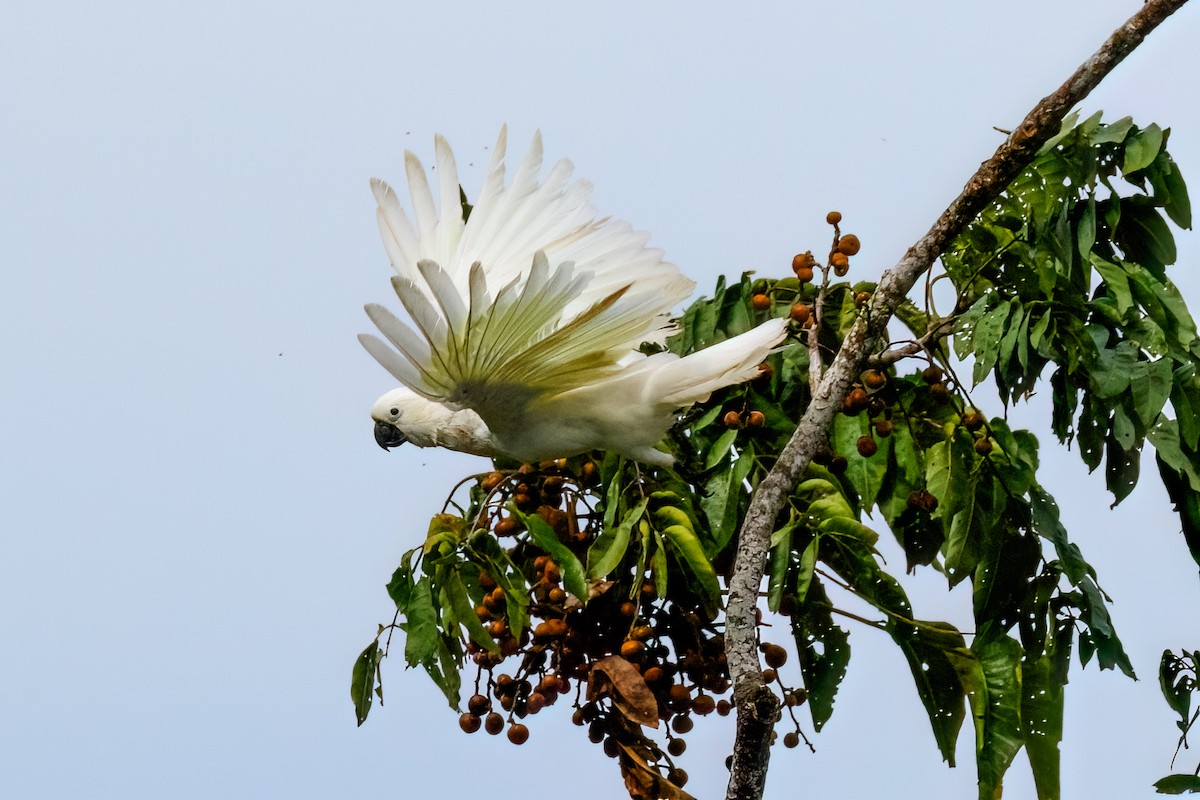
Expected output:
(528, 320)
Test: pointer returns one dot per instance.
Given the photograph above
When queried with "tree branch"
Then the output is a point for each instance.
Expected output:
(757, 705)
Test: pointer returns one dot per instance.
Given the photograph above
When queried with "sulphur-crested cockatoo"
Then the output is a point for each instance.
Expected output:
(528, 318)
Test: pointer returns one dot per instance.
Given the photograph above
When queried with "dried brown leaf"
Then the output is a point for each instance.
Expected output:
(629, 691)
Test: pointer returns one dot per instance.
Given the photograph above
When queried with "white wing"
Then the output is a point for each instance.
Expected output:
(531, 296)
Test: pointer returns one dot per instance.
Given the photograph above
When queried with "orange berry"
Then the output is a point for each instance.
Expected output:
(760, 302)
(833, 217)
(800, 312)
(849, 244)
(518, 733)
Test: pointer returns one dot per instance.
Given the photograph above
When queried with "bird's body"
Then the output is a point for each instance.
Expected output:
(529, 316)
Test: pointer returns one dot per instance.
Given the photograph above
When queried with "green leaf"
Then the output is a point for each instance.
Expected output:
(1142, 149)
(1085, 234)
(1042, 721)
(1178, 784)
(1003, 580)
(1121, 468)
(824, 652)
(997, 708)
(781, 559)
(987, 341)
(658, 565)
(544, 537)
(1113, 132)
(864, 473)
(609, 548)
(927, 649)
(808, 565)
(401, 585)
(420, 626)
(1045, 519)
(688, 551)
(1144, 236)
(723, 497)
(1116, 280)
(1172, 683)
(720, 448)
(1178, 206)
(1150, 385)
(444, 671)
(464, 609)
(362, 680)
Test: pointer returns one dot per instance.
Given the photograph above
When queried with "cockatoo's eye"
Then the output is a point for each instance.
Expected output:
(395, 412)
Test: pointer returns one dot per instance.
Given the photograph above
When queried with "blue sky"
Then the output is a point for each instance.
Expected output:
(196, 523)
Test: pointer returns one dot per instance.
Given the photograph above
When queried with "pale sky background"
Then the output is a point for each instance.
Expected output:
(196, 523)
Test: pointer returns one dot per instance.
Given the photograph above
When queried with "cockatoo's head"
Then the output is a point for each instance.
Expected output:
(400, 415)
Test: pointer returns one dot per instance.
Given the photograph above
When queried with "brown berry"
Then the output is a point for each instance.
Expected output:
(479, 704)
(861, 299)
(867, 446)
(724, 707)
(732, 419)
(874, 380)
(628, 608)
(680, 696)
(756, 419)
(884, 428)
(839, 465)
(770, 675)
(856, 400)
(833, 217)
(469, 723)
(849, 244)
(774, 655)
(932, 374)
(791, 739)
(983, 445)
(491, 480)
(840, 264)
(760, 302)
(682, 724)
(641, 632)
(589, 473)
(800, 313)
(554, 628)
(939, 392)
(493, 723)
(518, 733)
(556, 595)
(803, 260)
(536, 702)
(804, 274)
(632, 648)
(676, 747)
(972, 420)
(704, 704)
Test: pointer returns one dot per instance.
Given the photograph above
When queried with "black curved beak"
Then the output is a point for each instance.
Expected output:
(388, 436)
